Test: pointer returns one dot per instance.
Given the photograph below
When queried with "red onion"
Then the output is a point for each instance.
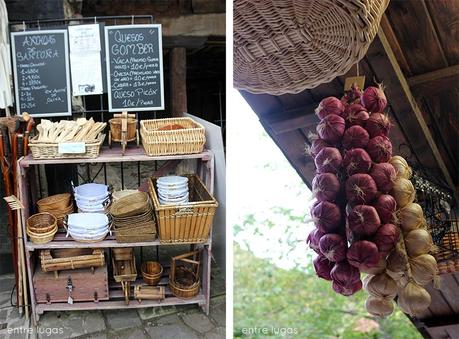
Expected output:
(343, 273)
(374, 99)
(386, 207)
(348, 289)
(380, 149)
(325, 186)
(355, 137)
(330, 105)
(313, 239)
(360, 189)
(353, 95)
(356, 114)
(386, 237)
(356, 160)
(384, 176)
(378, 124)
(363, 253)
(323, 267)
(328, 160)
(363, 220)
(327, 216)
(331, 128)
(316, 146)
(333, 247)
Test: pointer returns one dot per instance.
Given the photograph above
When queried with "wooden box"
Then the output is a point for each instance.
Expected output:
(81, 284)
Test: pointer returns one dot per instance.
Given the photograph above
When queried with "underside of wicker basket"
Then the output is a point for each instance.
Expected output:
(289, 46)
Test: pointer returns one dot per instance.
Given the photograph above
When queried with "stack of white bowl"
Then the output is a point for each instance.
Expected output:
(87, 227)
(92, 198)
(173, 190)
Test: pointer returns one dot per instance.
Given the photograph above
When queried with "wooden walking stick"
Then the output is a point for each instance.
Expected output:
(16, 205)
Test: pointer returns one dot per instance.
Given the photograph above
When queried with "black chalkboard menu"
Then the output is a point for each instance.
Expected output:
(41, 72)
(134, 67)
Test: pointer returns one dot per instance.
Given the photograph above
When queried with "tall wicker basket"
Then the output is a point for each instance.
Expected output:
(288, 46)
(188, 223)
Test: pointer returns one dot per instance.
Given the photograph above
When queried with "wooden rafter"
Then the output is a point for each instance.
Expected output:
(412, 116)
(435, 81)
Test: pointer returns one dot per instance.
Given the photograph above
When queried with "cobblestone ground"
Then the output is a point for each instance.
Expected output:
(177, 322)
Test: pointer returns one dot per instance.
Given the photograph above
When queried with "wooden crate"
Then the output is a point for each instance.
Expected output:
(86, 285)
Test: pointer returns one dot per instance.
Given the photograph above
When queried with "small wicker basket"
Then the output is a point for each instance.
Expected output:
(188, 140)
(54, 202)
(41, 223)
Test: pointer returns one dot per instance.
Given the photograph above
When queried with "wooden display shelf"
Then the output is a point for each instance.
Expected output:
(27, 172)
(200, 299)
(114, 155)
(60, 241)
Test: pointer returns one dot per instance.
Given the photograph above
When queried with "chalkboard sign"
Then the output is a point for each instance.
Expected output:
(41, 72)
(134, 68)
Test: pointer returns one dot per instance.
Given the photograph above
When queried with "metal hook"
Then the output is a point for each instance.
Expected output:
(38, 24)
(23, 26)
(95, 20)
(132, 20)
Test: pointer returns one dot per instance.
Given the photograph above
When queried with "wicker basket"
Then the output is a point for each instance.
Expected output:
(189, 140)
(288, 46)
(49, 150)
(42, 238)
(131, 205)
(87, 258)
(151, 272)
(54, 202)
(187, 223)
(138, 233)
(149, 293)
(41, 223)
(447, 255)
(184, 280)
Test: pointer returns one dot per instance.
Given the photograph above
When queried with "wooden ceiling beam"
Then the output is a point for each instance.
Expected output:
(395, 45)
(407, 110)
(291, 120)
(434, 82)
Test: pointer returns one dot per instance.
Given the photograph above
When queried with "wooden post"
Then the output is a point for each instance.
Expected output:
(177, 73)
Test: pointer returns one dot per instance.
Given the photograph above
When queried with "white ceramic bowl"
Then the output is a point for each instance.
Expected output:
(172, 199)
(91, 237)
(172, 181)
(91, 192)
(172, 194)
(87, 220)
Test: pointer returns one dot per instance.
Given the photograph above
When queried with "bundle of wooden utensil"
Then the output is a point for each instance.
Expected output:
(80, 130)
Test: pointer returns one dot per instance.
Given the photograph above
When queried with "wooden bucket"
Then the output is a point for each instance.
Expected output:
(115, 129)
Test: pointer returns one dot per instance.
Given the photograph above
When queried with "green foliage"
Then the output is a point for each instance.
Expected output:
(270, 298)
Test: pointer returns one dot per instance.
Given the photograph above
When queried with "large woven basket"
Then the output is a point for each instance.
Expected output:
(188, 140)
(288, 46)
(187, 223)
(50, 150)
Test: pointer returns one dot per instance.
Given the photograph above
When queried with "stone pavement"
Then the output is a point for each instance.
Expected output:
(178, 322)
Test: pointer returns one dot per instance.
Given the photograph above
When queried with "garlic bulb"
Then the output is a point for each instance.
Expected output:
(411, 217)
(403, 192)
(379, 307)
(413, 299)
(397, 260)
(381, 286)
(418, 242)
(423, 268)
(402, 168)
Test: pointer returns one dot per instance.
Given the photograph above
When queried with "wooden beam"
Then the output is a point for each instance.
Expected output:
(178, 81)
(393, 41)
(194, 25)
(291, 120)
(409, 113)
(434, 82)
